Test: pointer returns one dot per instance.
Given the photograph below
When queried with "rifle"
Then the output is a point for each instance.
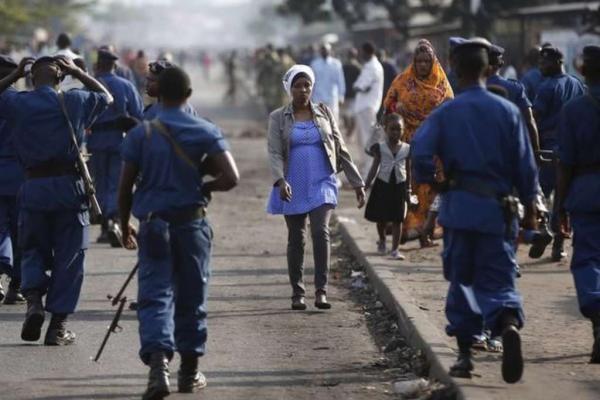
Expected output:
(82, 169)
(120, 300)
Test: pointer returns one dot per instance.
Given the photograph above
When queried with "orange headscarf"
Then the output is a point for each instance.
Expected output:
(414, 98)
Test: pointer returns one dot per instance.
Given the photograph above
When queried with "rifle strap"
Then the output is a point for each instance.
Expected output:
(164, 132)
(63, 106)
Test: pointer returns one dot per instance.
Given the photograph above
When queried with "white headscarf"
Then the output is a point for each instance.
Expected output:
(289, 76)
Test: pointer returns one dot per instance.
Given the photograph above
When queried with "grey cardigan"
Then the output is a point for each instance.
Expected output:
(281, 122)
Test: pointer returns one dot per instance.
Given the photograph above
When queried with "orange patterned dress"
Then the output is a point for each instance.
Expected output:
(415, 99)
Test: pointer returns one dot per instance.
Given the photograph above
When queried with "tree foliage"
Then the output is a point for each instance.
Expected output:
(22, 16)
(400, 11)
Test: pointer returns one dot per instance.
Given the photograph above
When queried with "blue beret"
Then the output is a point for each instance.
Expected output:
(6, 61)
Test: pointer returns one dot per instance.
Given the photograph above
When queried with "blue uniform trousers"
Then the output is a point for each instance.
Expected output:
(481, 269)
(106, 168)
(53, 247)
(173, 280)
(585, 264)
(9, 251)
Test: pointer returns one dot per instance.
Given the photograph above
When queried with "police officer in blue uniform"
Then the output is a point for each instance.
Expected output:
(578, 189)
(53, 214)
(553, 93)
(104, 143)
(515, 92)
(166, 159)
(532, 78)
(477, 212)
(154, 70)
(11, 178)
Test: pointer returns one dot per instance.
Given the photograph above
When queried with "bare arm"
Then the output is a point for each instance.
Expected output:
(534, 136)
(374, 169)
(128, 174)
(225, 170)
(88, 81)
(17, 74)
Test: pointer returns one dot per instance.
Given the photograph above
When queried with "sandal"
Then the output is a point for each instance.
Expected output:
(494, 345)
(396, 255)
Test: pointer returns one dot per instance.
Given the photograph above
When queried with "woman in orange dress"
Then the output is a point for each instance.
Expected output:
(414, 94)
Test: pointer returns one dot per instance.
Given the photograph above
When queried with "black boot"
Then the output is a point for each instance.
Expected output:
(595, 358)
(158, 378)
(14, 296)
(540, 241)
(464, 365)
(512, 357)
(34, 317)
(115, 237)
(558, 248)
(2, 294)
(57, 334)
(189, 379)
(103, 238)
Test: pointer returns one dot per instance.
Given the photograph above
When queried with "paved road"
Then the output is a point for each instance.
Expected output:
(258, 348)
(557, 340)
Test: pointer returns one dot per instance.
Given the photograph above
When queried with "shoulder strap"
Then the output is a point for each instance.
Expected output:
(164, 131)
(63, 107)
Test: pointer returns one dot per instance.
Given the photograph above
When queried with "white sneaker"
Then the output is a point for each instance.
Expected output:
(396, 255)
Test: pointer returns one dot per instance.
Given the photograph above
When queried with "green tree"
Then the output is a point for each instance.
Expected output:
(22, 16)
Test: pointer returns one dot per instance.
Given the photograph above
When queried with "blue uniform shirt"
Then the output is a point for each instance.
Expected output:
(479, 137)
(516, 91)
(167, 183)
(579, 145)
(11, 172)
(41, 135)
(552, 95)
(532, 80)
(127, 102)
(153, 109)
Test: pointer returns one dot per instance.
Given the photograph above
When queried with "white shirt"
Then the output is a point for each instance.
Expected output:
(330, 86)
(371, 80)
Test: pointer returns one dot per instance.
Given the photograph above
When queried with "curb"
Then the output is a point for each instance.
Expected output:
(413, 323)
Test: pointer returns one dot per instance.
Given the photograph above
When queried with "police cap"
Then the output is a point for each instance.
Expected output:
(552, 53)
(7, 62)
(454, 41)
(105, 53)
(474, 44)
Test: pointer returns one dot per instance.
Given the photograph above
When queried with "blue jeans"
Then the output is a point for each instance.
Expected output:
(54, 242)
(10, 263)
(585, 264)
(106, 169)
(481, 269)
(173, 277)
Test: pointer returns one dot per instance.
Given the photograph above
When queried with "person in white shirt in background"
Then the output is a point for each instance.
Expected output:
(63, 43)
(369, 93)
(330, 86)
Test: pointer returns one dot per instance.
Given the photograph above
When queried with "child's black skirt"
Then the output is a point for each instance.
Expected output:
(387, 201)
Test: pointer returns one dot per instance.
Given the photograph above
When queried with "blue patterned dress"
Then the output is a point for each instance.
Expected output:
(309, 174)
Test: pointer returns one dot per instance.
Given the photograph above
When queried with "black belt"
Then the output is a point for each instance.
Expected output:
(587, 169)
(178, 217)
(122, 123)
(50, 169)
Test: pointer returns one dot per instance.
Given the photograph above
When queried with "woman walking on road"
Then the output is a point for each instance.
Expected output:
(306, 150)
(414, 94)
